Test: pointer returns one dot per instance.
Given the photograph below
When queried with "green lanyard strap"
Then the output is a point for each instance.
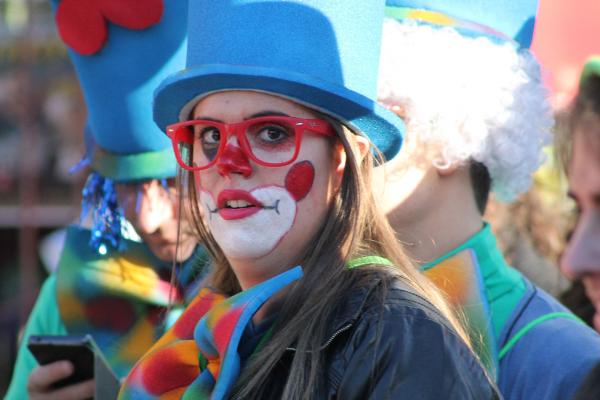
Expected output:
(532, 324)
(366, 260)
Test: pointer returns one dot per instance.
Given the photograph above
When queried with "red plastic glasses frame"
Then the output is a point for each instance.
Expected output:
(300, 125)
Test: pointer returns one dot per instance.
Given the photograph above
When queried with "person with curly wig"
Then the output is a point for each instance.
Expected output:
(477, 116)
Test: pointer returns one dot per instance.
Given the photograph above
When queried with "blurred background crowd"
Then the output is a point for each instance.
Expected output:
(41, 138)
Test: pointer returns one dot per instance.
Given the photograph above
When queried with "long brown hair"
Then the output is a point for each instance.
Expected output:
(353, 227)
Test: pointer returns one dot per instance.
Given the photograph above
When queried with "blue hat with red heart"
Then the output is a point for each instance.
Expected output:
(322, 54)
(500, 20)
(122, 50)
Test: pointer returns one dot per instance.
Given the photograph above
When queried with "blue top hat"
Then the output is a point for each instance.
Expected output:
(323, 54)
(121, 51)
(502, 20)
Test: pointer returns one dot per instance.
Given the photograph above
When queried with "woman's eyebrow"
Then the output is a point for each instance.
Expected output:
(256, 115)
(267, 114)
(208, 119)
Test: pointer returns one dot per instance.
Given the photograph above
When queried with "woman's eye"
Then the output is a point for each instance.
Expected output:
(210, 136)
(272, 134)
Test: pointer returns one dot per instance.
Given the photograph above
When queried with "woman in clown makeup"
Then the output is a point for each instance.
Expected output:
(309, 297)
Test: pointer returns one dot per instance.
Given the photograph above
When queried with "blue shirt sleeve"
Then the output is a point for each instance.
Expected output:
(551, 360)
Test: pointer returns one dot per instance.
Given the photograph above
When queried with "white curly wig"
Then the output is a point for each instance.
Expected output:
(473, 98)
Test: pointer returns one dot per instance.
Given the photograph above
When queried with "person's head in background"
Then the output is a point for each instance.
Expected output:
(578, 145)
(137, 200)
(134, 197)
(152, 208)
(467, 103)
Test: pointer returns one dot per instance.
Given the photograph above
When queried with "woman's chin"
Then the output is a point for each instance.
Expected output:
(168, 252)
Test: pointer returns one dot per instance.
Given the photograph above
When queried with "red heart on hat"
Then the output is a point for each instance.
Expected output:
(82, 24)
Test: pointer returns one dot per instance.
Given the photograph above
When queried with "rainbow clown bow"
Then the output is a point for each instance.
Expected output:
(198, 357)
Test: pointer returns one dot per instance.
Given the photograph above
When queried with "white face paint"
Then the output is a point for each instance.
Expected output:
(255, 235)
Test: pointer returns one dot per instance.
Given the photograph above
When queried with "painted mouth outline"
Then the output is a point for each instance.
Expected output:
(232, 195)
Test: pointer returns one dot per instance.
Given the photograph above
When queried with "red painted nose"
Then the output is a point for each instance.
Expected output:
(233, 161)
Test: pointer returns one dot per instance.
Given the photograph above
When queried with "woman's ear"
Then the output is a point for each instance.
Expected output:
(363, 145)
(445, 168)
(339, 163)
(360, 146)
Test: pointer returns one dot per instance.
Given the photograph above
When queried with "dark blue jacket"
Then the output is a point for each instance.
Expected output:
(395, 346)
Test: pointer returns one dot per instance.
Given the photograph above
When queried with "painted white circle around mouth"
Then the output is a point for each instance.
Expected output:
(258, 234)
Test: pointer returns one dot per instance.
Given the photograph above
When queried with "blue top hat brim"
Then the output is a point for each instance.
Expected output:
(178, 94)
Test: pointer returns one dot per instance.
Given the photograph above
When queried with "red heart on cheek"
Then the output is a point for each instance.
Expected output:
(82, 24)
(299, 179)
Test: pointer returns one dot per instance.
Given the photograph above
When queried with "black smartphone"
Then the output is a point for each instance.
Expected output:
(79, 350)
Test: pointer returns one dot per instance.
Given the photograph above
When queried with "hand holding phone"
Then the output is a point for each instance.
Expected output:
(68, 366)
(76, 349)
(40, 384)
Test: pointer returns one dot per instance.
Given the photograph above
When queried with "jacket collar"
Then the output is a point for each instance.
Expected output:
(349, 313)
(352, 308)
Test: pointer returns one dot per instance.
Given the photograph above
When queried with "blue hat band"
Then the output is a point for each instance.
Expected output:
(134, 167)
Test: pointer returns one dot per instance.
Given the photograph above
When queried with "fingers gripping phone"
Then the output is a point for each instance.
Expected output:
(76, 349)
(85, 356)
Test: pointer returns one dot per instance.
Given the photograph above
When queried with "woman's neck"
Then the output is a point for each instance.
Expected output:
(250, 274)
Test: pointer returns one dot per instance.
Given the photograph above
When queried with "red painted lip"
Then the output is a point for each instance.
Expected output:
(237, 213)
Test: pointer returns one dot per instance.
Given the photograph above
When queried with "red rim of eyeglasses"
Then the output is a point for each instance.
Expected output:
(175, 133)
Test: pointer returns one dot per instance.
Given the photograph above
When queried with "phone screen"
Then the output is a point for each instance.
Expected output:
(76, 349)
